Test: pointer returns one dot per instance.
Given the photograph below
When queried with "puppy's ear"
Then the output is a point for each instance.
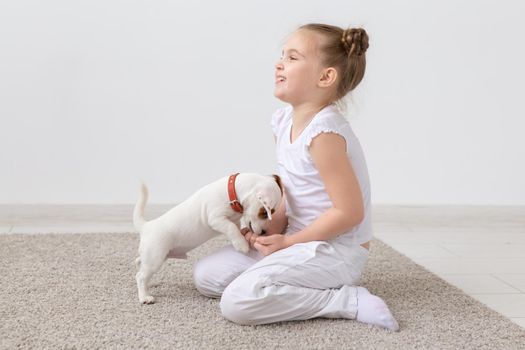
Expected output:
(279, 183)
(261, 198)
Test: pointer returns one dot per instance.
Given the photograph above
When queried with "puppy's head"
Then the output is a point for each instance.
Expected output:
(264, 200)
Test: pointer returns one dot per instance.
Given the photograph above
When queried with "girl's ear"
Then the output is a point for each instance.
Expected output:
(328, 77)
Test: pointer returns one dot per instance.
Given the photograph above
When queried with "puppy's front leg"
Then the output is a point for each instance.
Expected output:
(231, 231)
(243, 222)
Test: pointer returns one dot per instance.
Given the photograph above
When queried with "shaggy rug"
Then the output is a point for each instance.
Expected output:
(78, 291)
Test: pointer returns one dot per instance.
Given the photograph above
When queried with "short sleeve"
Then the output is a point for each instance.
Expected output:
(325, 125)
(279, 118)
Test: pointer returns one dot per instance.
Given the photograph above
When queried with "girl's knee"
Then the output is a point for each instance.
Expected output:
(245, 301)
(204, 280)
(214, 272)
(235, 309)
(229, 307)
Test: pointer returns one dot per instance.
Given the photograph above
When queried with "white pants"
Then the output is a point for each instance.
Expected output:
(306, 280)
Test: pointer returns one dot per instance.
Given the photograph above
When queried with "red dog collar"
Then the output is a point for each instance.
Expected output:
(234, 202)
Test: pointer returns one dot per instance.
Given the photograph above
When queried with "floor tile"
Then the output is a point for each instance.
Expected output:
(515, 280)
(423, 251)
(456, 227)
(405, 238)
(387, 228)
(473, 265)
(479, 284)
(475, 250)
(509, 305)
(474, 236)
(496, 237)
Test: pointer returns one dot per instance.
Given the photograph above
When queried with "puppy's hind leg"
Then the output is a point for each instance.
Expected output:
(137, 265)
(148, 267)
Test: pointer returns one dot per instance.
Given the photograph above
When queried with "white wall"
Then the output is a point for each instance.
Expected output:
(95, 95)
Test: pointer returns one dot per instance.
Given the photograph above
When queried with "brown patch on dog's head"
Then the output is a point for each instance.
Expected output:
(279, 183)
(263, 214)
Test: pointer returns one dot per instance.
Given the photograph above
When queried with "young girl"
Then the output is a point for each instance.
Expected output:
(311, 270)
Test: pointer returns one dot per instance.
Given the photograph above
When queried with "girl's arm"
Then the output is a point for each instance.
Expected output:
(328, 151)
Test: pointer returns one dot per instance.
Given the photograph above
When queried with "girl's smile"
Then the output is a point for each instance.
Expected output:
(299, 71)
(296, 70)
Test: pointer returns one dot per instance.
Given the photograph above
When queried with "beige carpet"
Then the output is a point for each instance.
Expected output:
(78, 291)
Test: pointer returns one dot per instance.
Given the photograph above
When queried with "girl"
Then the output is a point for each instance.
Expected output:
(311, 270)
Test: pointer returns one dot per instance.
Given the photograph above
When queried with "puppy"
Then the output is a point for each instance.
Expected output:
(224, 206)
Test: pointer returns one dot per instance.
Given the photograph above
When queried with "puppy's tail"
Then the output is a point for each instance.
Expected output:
(138, 212)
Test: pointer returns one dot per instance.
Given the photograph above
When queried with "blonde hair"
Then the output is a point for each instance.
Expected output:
(343, 49)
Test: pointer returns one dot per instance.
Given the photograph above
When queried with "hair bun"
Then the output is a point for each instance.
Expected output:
(355, 41)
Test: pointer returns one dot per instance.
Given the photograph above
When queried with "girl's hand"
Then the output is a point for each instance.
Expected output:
(266, 245)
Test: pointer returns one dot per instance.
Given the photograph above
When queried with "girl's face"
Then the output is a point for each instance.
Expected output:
(298, 71)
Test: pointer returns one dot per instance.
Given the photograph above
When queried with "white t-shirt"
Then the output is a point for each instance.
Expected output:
(306, 196)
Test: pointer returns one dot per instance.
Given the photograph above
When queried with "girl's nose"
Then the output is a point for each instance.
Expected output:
(279, 65)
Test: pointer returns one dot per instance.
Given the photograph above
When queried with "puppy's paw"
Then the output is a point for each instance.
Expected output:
(241, 245)
(148, 299)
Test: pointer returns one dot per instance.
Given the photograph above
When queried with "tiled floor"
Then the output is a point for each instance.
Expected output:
(478, 249)
(481, 250)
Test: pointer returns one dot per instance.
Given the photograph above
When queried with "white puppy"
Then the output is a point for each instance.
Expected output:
(224, 206)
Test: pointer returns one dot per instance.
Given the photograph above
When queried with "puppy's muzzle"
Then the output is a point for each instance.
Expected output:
(251, 229)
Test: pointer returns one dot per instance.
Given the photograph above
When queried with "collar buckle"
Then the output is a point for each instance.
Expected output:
(234, 202)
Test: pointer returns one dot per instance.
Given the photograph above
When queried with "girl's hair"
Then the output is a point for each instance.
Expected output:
(345, 51)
